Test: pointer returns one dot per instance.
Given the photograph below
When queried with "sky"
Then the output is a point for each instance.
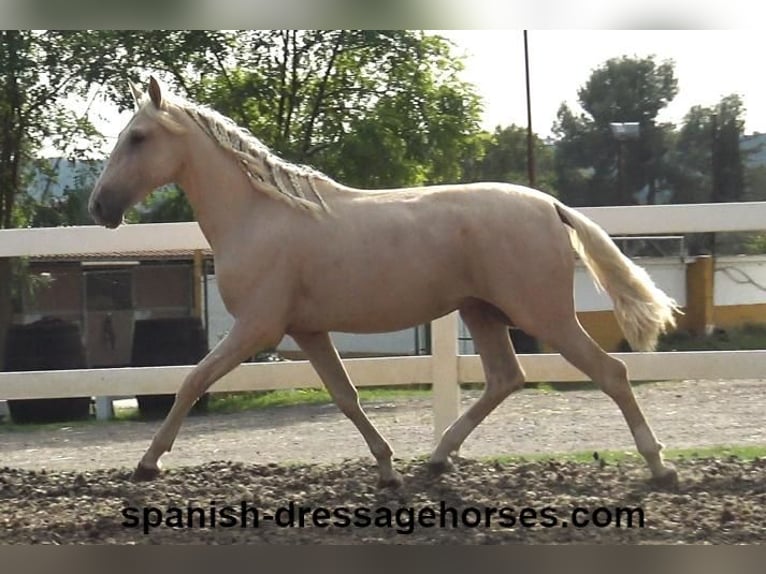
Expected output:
(709, 64)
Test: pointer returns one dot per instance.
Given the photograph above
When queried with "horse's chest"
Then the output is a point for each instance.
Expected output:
(237, 284)
(230, 289)
(252, 285)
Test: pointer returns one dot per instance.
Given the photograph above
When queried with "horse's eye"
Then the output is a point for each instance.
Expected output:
(137, 138)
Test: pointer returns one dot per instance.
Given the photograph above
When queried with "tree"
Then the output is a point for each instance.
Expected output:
(593, 168)
(58, 195)
(181, 57)
(708, 153)
(710, 164)
(502, 156)
(370, 108)
(38, 70)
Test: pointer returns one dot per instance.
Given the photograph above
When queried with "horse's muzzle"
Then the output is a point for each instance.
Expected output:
(104, 214)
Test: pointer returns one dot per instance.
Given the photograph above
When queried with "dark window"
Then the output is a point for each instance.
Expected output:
(109, 290)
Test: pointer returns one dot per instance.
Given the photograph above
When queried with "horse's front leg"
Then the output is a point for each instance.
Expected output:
(240, 343)
(325, 360)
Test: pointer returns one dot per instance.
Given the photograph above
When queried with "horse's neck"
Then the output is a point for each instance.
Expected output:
(218, 191)
(223, 196)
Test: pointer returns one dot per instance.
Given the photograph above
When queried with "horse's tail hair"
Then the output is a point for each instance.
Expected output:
(642, 310)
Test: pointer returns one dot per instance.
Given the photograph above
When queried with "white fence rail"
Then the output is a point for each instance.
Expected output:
(444, 369)
(634, 220)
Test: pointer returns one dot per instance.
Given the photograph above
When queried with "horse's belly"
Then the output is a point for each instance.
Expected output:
(376, 309)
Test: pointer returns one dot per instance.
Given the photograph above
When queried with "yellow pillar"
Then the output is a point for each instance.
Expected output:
(699, 295)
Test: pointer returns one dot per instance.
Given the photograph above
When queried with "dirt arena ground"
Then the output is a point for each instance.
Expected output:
(70, 484)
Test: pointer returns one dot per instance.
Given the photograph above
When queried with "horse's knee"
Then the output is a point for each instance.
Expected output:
(503, 384)
(192, 388)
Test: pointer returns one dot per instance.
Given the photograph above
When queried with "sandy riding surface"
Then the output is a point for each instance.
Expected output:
(682, 414)
(71, 484)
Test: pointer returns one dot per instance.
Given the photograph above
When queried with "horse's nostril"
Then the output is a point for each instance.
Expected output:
(95, 208)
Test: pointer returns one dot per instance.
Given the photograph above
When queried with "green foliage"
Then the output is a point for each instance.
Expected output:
(751, 336)
(181, 57)
(628, 90)
(700, 163)
(592, 167)
(39, 70)
(755, 243)
(165, 205)
(245, 401)
(711, 168)
(617, 456)
(25, 285)
(370, 108)
(755, 183)
(502, 156)
(45, 204)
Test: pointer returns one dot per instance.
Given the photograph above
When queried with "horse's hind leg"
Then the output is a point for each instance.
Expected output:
(611, 375)
(502, 371)
(325, 360)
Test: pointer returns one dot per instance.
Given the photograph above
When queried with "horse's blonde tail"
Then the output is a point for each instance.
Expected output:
(643, 311)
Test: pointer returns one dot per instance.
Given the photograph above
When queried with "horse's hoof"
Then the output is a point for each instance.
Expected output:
(394, 481)
(145, 473)
(668, 480)
(438, 467)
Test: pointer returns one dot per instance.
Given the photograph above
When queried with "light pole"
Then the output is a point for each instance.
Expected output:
(530, 135)
(622, 132)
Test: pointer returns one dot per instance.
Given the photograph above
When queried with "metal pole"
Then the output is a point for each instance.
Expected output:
(197, 274)
(530, 136)
(621, 173)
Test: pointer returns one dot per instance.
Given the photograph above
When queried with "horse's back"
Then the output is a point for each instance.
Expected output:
(385, 260)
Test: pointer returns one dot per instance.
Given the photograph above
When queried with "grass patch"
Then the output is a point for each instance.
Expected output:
(614, 456)
(240, 402)
(120, 415)
(748, 337)
(9, 426)
(742, 452)
(224, 403)
(127, 414)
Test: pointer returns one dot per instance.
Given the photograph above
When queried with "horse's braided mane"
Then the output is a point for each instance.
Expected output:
(292, 183)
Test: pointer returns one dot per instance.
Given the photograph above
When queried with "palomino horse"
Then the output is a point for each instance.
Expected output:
(300, 254)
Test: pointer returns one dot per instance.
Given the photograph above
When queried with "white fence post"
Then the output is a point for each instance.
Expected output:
(444, 360)
(104, 408)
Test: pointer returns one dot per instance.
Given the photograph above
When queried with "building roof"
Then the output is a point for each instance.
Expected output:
(106, 256)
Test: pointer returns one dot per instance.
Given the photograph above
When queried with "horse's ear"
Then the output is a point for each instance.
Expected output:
(135, 91)
(155, 92)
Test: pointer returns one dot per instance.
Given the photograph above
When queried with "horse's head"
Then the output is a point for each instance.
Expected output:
(148, 154)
